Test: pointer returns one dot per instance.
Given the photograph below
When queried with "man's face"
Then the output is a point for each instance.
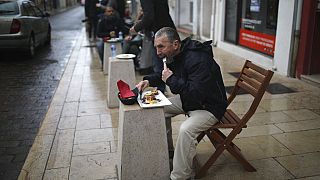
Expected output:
(165, 48)
(109, 11)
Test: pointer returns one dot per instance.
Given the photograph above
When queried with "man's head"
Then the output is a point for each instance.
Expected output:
(167, 43)
(108, 11)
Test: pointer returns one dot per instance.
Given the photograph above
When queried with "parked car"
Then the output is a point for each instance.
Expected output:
(23, 26)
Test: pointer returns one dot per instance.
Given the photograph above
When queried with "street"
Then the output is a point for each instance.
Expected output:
(27, 87)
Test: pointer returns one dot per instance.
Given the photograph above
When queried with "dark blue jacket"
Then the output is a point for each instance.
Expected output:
(107, 24)
(155, 16)
(196, 78)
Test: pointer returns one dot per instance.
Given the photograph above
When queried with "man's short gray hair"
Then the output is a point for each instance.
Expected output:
(169, 32)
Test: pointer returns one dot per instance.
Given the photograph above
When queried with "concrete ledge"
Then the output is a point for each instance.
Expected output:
(142, 147)
(119, 69)
(107, 54)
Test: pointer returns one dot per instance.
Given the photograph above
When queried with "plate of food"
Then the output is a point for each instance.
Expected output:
(112, 40)
(152, 98)
(125, 56)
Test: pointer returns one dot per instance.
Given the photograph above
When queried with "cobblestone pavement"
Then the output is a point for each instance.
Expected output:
(26, 90)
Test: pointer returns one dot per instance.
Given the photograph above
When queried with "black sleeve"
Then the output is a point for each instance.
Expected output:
(86, 8)
(101, 30)
(155, 81)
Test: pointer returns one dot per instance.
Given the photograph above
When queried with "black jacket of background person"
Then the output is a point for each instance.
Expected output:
(90, 9)
(155, 16)
(108, 24)
(196, 78)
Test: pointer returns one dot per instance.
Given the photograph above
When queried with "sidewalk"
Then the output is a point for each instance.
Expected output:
(78, 137)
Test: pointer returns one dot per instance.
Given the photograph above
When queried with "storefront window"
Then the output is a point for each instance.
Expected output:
(252, 24)
(258, 25)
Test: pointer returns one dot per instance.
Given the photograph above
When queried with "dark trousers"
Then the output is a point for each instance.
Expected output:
(92, 27)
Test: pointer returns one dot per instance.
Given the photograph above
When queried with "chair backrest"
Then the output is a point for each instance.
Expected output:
(253, 80)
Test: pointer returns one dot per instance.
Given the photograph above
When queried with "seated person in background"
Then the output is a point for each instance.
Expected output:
(109, 26)
(195, 79)
(132, 43)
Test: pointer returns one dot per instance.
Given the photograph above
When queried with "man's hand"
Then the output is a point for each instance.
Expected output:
(112, 34)
(132, 31)
(128, 38)
(142, 85)
(166, 73)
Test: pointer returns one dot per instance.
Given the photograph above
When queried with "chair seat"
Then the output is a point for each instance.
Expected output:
(229, 120)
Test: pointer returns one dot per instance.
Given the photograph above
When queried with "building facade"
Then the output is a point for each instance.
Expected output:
(268, 32)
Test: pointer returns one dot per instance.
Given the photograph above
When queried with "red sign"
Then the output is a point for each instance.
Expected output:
(258, 41)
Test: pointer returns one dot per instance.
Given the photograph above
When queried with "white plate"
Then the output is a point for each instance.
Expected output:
(125, 56)
(112, 40)
(163, 101)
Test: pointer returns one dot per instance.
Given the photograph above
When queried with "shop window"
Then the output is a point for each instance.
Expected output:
(258, 25)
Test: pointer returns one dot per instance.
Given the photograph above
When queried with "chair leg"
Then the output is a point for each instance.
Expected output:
(234, 151)
(201, 135)
(202, 171)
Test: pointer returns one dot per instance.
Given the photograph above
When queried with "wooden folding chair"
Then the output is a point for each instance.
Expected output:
(253, 80)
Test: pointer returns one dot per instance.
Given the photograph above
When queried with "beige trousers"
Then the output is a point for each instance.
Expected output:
(185, 150)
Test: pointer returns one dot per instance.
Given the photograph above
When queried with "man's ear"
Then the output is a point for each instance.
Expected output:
(176, 44)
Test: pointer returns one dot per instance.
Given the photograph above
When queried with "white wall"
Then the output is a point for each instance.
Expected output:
(62, 3)
(206, 19)
(285, 30)
(184, 12)
(196, 17)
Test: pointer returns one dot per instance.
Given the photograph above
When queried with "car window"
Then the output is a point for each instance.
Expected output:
(38, 11)
(8, 8)
(28, 9)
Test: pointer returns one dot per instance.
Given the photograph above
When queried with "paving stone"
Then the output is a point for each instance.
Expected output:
(58, 174)
(67, 122)
(60, 154)
(88, 122)
(94, 135)
(91, 148)
(101, 166)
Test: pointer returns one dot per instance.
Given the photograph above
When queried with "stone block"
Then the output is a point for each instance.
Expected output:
(107, 54)
(119, 69)
(142, 144)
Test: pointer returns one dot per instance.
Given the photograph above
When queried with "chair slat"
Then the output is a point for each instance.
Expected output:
(233, 115)
(247, 88)
(257, 68)
(253, 74)
(253, 82)
(230, 118)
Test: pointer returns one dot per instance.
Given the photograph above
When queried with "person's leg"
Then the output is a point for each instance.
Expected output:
(174, 109)
(126, 46)
(95, 25)
(198, 121)
(100, 48)
(90, 27)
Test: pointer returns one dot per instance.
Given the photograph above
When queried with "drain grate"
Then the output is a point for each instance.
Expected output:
(273, 88)
(277, 88)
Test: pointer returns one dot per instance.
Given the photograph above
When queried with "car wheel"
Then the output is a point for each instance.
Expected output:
(31, 47)
(48, 39)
